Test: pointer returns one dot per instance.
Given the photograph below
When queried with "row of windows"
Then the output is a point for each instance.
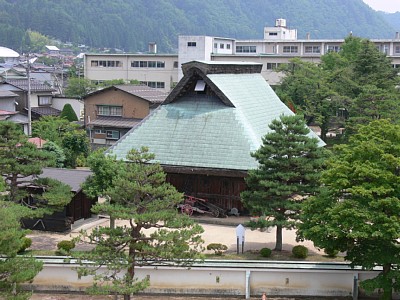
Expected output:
(108, 110)
(147, 64)
(246, 49)
(106, 63)
(222, 46)
(191, 44)
(154, 84)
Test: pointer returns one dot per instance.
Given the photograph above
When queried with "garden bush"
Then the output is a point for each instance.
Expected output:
(26, 243)
(65, 247)
(300, 251)
(265, 252)
(217, 248)
(331, 252)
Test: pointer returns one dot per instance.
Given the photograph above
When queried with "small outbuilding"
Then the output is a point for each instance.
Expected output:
(78, 209)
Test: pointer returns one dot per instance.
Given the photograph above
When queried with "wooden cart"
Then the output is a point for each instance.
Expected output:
(202, 206)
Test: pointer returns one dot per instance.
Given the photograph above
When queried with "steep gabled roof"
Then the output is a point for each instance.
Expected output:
(217, 128)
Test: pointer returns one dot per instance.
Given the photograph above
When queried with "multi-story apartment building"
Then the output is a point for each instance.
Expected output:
(278, 46)
(154, 70)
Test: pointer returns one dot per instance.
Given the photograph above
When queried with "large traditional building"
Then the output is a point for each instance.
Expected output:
(205, 130)
(279, 44)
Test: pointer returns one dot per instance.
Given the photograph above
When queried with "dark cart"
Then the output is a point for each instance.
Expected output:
(202, 206)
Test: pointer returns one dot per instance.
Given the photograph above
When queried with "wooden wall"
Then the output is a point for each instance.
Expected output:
(222, 191)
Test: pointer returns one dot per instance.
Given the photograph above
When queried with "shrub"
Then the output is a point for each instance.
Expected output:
(331, 252)
(65, 247)
(300, 251)
(217, 248)
(68, 113)
(26, 243)
(265, 252)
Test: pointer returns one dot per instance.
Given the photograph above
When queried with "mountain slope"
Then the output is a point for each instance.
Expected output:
(132, 24)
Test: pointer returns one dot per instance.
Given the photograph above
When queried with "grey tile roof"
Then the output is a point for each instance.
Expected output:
(203, 131)
(36, 86)
(45, 111)
(73, 177)
(7, 94)
(147, 93)
(114, 122)
(144, 92)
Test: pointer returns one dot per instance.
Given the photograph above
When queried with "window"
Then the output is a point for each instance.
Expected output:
(106, 63)
(228, 46)
(147, 64)
(99, 131)
(112, 134)
(44, 100)
(108, 110)
(246, 49)
(290, 49)
(215, 45)
(154, 84)
(397, 49)
(272, 66)
(312, 49)
(175, 65)
(191, 44)
(333, 48)
(221, 46)
(272, 33)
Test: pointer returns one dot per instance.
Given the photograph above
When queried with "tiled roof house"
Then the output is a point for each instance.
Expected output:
(207, 127)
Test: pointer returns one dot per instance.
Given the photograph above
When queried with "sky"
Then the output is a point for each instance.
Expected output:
(390, 6)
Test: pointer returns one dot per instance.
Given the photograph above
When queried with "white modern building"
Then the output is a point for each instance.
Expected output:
(279, 45)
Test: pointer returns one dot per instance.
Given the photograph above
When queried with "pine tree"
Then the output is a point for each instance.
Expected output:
(289, 170)
(139, 196)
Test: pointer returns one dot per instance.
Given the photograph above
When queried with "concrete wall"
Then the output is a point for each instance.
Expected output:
(226, 278)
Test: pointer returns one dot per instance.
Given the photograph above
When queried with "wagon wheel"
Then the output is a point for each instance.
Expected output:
(215, 213)
(187, 209)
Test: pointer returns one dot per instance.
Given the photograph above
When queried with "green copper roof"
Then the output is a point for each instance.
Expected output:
(201, 131)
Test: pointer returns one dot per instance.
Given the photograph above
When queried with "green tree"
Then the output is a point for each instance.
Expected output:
(73, 140)
(57, 152)
(14, 269)
(140, 196)
(20, 164)
(79, 87)
(306, 88)
(289, 168)
(68, 113)
(359, 211)
(75, 144)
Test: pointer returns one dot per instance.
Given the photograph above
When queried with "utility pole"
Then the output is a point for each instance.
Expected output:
(28, 69)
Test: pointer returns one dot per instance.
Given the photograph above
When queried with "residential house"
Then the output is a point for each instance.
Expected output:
(40, 97)
(113, 111)
(8, 110)
(205, 130)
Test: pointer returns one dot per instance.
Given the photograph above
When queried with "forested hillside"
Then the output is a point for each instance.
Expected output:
(131, 24)
(392, 19)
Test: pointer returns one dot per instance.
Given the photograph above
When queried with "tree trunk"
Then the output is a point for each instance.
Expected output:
(278, 245)
(387, 291)
(112, 222)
